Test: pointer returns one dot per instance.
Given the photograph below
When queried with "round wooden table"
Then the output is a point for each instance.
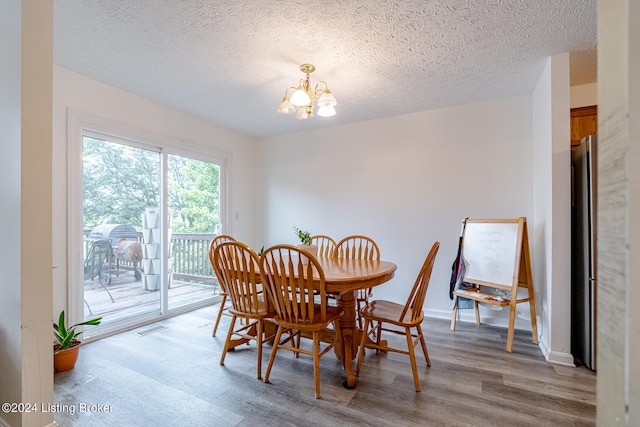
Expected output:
(343, 277)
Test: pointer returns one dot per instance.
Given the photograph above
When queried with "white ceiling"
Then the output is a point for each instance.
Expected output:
(230, 61)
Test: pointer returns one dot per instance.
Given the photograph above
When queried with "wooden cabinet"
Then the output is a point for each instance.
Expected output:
(584, 121)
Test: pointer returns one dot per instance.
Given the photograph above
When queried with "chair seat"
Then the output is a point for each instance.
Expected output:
(390, 312)
(333, 313)
(261, 311)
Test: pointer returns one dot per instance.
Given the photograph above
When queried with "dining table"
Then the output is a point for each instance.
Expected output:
(343, 278)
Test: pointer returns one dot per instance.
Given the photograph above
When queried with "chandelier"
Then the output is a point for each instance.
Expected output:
(304, 97)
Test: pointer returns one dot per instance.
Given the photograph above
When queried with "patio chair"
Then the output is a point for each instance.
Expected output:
(94, 265)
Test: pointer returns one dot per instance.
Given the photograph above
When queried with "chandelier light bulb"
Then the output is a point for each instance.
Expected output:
(300, 97)
(286, 107)
(326, 111)
(327, 100)
(302, 113)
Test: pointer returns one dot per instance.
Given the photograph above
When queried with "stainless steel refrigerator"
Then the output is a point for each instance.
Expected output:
(584, 251)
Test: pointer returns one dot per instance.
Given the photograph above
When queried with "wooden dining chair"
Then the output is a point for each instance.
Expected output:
(403, 317)
(238, 267)
(223, 293)
(325, 244)
(290, 280)
(359, 247)
(326, 247)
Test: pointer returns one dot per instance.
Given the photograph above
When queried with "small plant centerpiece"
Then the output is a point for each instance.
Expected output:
(304, 236)
(305, 240)
(67, 346)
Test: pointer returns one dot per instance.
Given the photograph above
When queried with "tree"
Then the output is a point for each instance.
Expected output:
(120, 181)
(193, 195)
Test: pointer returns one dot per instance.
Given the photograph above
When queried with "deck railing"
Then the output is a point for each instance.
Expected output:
(189, 255)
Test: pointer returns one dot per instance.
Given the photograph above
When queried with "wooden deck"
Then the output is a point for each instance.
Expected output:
(130, 298)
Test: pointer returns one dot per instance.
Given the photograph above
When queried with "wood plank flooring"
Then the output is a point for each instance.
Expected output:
(171, 376)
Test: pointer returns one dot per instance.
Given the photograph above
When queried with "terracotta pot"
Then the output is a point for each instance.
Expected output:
(65, 359)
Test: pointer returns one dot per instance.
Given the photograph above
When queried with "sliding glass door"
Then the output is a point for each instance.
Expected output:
(148, 217)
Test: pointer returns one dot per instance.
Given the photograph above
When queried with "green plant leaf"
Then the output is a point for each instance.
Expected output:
(64, 335)
(304, 236)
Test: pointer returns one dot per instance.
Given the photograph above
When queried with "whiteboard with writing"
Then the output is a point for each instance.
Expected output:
(490, 250)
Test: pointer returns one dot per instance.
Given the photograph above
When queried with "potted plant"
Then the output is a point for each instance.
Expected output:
(67, 346)
(305, 240)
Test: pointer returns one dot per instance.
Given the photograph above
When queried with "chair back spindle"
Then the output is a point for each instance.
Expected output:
(364, 248)
(326, 245)
(357, 247)
(290, 277)
(239, 268)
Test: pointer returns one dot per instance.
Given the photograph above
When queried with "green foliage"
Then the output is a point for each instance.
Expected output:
(304, 236)
(193, 195)
(64, 335)
(120, 181)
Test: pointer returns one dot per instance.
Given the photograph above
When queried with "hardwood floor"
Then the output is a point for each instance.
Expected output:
(167, 374)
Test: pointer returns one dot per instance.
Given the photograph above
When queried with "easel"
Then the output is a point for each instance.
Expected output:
(521, 278)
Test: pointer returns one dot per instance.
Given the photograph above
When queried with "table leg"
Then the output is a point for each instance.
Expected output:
(347, 324)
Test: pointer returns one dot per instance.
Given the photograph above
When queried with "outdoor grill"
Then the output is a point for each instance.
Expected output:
(124, 244)
(115, 232)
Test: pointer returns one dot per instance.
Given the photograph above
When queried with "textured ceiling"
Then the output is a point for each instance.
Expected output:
(229, 61)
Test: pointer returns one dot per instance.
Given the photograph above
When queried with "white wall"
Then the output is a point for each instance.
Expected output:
(10, 334)
(552, 218)
(406, 181)
(584, 95)
(82, 95)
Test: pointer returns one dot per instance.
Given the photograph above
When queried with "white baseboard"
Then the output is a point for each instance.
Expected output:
(559, 358)
(487, 317)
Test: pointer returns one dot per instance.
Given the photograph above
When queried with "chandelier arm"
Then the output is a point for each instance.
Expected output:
(326, 86)
(286, 91)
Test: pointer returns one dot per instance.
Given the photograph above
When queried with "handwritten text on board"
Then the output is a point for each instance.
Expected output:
(489, 249)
